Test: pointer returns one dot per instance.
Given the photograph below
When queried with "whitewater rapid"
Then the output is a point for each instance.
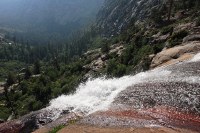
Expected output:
(98, 94)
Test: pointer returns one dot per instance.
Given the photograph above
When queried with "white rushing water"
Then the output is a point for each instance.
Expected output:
(195, 58)
(97, 94)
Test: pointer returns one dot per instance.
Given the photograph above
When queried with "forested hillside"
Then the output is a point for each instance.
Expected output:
(124, 39)
(41, 21)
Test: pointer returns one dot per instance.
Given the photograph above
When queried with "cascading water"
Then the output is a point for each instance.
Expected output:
(98, 94)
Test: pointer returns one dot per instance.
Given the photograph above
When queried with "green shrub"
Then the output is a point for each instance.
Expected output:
(97, 41)
(177, 38)
(166, 30)
(56, 129)
(115, 69)
(4, 113)
(105, 48)
(120, 71)
(127, 55)
(158, 48)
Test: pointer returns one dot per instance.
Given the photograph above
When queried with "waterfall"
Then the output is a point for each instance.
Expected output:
(98, 94)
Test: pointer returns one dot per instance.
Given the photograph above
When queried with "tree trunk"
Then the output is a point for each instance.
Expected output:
(170, 9)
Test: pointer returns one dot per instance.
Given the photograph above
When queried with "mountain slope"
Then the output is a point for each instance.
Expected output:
(116, 15)
(46, 20)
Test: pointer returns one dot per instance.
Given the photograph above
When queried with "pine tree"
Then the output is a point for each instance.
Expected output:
(170, 8)
(27, 74)
(36, 67)
(10, 80)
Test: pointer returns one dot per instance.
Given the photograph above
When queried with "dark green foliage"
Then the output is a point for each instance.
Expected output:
(10, 80)
(24, 87)
(105, 47)
(36, 69)
(56, 129)
(115, 69)
(158, 48)
(177, 38)
(156, 16)
(34, 105)
(166, 30)
(4, 113)
(127, 56)
(27, 74)
(97, 42)
(142, 53)
(35, 92)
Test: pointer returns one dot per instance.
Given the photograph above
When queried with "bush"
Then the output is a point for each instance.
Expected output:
(115, 69)
(158, 48)
(120, 71)
(27, 74)
(166, 30)
(4, 113)
(177, 38)
(10, 79)
(37, 67)
(56, 129)
(105, 48)
(23, 87)
(127, 55)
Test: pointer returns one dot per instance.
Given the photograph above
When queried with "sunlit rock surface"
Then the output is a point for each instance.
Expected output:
(173, 55)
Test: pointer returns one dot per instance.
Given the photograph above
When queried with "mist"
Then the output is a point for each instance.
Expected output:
(44, 20)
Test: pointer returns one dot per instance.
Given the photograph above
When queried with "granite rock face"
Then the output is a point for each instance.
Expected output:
(116, 15)
(176, 54)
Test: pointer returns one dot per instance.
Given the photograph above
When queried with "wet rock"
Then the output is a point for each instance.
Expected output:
(11, 127)
(25, 124)
(64, 120)
(67, 111)
(149, 102)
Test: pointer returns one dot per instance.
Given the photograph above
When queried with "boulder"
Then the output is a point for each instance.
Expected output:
(175, 54)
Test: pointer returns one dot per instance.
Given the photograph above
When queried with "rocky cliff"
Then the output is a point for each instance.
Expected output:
(116, 15)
